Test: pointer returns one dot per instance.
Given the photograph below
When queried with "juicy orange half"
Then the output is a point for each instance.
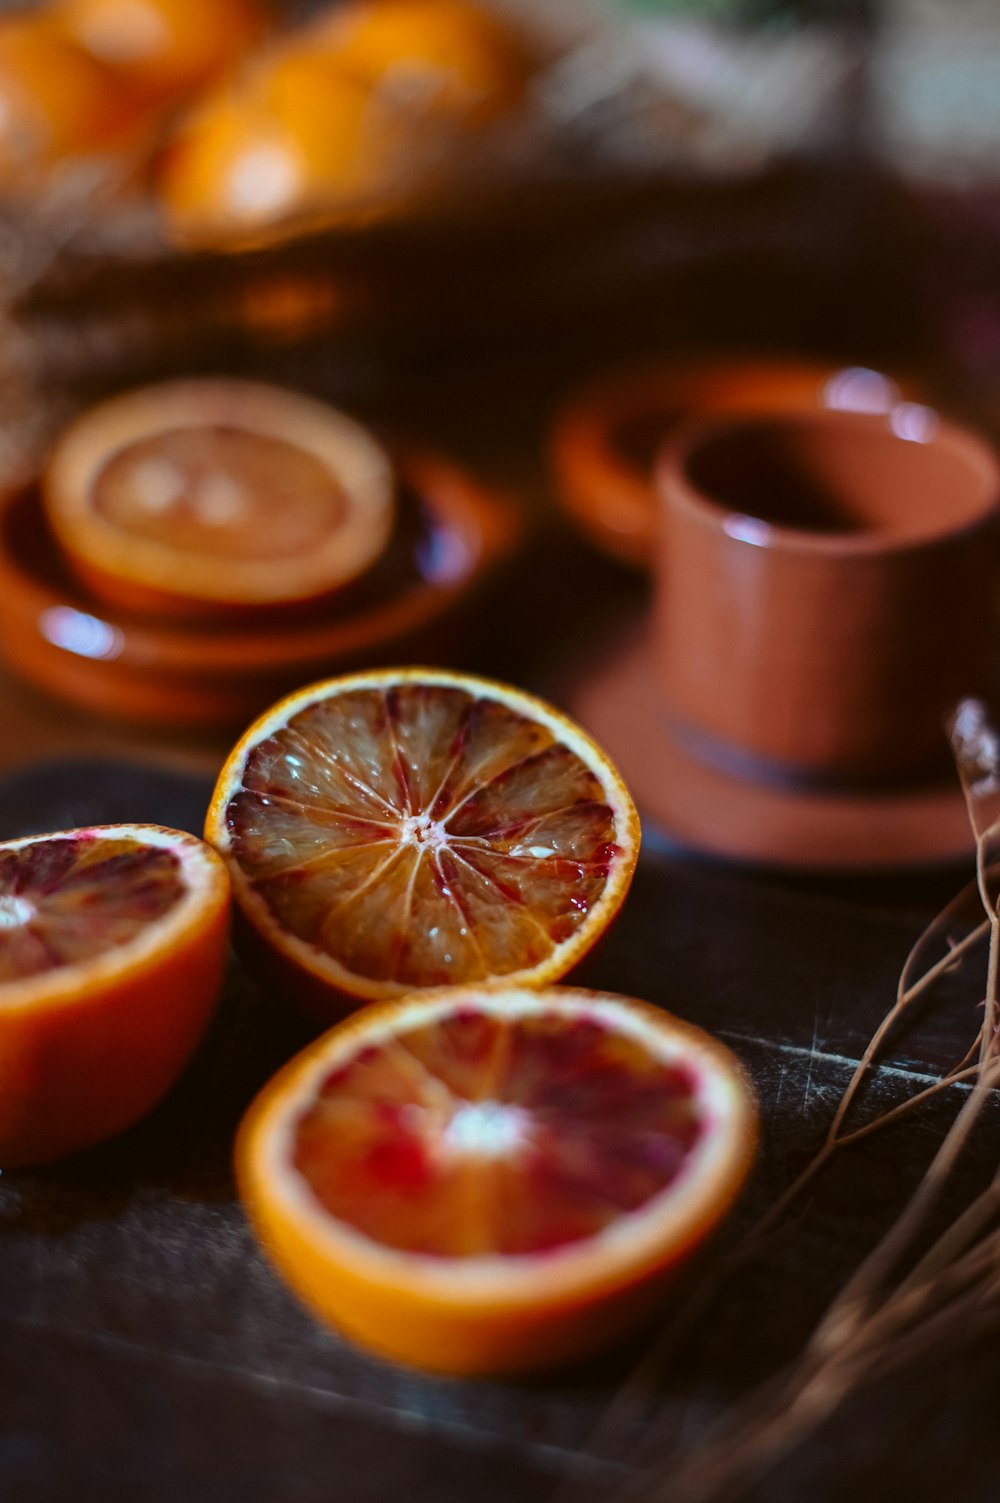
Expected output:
(495, 1179)
(217, 495)
(416, 828)
(113, 942)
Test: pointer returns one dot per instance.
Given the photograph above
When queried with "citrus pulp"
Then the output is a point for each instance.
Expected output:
(494, 1179)
(413, 828)
(113, 941)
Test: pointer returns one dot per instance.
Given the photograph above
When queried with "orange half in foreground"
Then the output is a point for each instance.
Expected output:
(212, 496)
(494, 1180)
(416, 828)
(113, 943)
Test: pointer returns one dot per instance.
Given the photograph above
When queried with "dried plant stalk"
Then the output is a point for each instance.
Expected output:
(904, 1299)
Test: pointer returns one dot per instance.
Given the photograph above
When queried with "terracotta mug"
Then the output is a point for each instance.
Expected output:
(825, 588)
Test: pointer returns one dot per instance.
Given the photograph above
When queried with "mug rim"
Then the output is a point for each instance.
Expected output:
(674, 488)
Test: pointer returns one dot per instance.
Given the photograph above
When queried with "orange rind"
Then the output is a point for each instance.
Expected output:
(495, 1180)
(411, 828)
(113, 944)
(217, 496)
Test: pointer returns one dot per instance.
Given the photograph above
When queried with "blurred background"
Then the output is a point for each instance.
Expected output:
(400, 204)
(446, 216)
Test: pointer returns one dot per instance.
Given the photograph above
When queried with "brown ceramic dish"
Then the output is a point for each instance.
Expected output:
(450, 531)
(714, 810)
(825, 597)
(605, 438)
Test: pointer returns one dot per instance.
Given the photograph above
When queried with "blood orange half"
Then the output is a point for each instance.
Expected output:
(415, 828)
(113, 941)
(495, 1179)
(200, 497)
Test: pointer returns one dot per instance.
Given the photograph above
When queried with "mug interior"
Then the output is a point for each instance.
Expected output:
(845, 474)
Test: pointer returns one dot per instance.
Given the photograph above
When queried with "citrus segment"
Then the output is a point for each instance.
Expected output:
(202, 496)
(416, 828)
(113, 941)
(494, 1179)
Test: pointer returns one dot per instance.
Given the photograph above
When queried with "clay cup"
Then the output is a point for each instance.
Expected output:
(825, 588)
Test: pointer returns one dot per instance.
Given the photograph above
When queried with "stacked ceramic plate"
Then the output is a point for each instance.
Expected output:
(193, 549)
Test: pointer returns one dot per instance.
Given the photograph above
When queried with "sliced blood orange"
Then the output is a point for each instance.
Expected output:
(113, 941)
(197, 497)
(494, 1179)
(417, 828)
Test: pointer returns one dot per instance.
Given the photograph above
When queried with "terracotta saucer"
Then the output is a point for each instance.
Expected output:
(604, 439)
(708, 808)
(451, 530)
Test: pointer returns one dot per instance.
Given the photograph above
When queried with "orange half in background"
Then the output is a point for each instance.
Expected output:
(495, 1180)
(211, 497)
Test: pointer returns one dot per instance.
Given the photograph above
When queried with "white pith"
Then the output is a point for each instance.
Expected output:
(15, 912)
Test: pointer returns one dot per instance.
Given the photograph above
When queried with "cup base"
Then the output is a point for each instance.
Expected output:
(707, 808)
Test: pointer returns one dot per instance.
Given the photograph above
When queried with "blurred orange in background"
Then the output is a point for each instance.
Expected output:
(55, 100)
(289, 137)
(439, 55)
(162, 48)
(85, 78)
(356, 114)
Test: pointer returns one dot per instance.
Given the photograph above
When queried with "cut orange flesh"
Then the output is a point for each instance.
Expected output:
(415, 828)
(494, 1179)
(201, 496)
(113, 941)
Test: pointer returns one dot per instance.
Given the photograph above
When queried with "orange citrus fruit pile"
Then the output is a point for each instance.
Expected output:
(356, 113)
(494, 1180)
(211, 497)
(416, 828)
(113, 941)
(84, 78)
(55, 101)
(164, 49)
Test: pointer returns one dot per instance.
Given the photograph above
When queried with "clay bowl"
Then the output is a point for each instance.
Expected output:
(451, 531)
(605, 438)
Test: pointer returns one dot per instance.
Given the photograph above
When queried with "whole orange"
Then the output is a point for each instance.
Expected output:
(440, 56)
(113, 942)
(56, 101)
(297, 137)
(163, 48)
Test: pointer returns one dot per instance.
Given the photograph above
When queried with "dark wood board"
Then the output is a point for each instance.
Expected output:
(147, 1351)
